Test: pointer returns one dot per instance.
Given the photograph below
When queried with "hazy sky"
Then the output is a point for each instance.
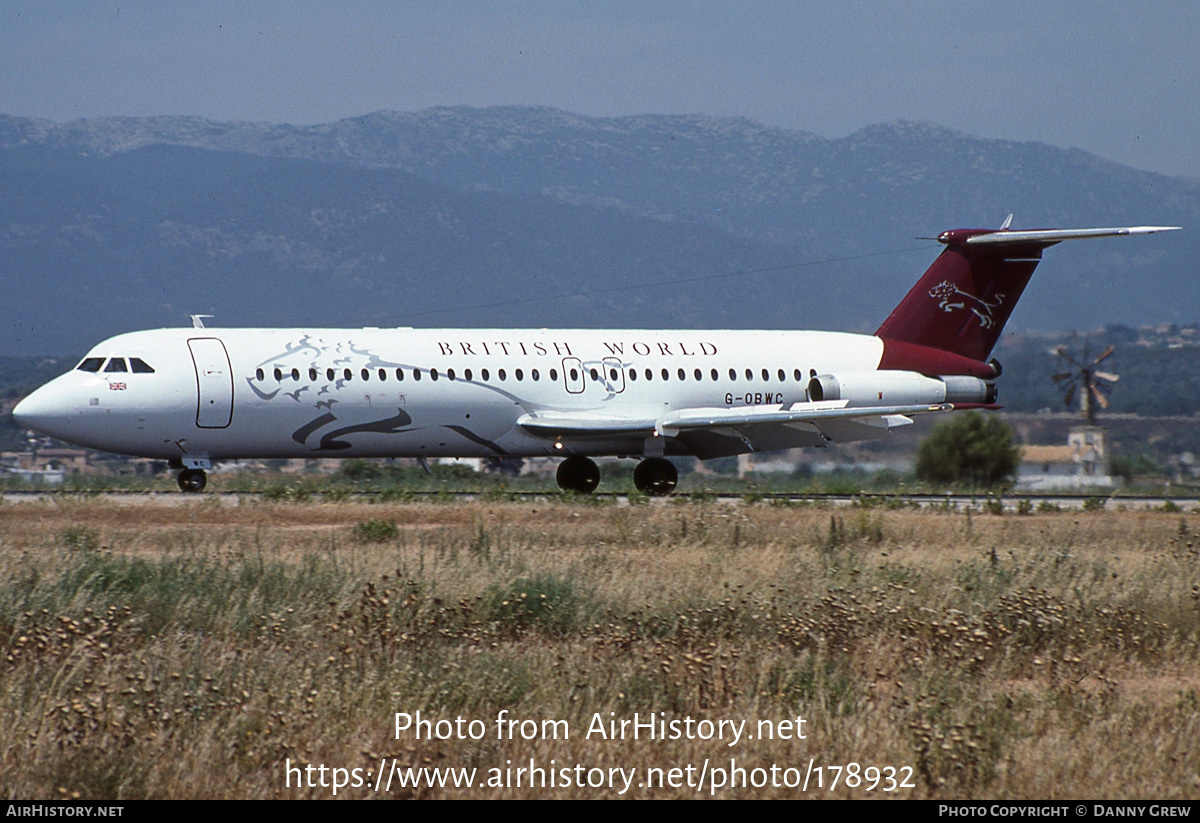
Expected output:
(1121, 80)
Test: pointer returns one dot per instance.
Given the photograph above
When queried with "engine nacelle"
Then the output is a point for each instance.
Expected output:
(900, 388)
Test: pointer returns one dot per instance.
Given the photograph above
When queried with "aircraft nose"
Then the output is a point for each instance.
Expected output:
(25, 413)
(44, 411)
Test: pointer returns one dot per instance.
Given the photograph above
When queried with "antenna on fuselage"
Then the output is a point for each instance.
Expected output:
(198, 320)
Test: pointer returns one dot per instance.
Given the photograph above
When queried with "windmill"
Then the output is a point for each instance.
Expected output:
(1084, 378)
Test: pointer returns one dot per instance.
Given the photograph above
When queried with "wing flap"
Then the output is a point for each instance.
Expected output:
(672, 424)
(817, 413)
(583, 424)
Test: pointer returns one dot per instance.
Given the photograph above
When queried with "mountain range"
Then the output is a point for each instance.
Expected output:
(538, 217)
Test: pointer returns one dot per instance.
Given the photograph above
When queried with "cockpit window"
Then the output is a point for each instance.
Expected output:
(90, 364)
(140, 366)
(116, 364)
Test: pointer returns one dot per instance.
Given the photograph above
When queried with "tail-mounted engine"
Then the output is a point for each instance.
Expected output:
(901, 388)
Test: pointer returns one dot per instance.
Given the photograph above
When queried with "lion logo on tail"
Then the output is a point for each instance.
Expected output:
(951, 297)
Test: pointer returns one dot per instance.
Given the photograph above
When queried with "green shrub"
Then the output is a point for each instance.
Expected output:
(375, 531)
(80, 538)
(971, 449)
(546, 601)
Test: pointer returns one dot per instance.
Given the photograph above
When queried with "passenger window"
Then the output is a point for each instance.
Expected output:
(467, 374)
(682, 374)
(766, 374)
(416, 374)
(749, 374)
(649, 374)
(520, 374)
(732, 374)
(612, 374)
(383, 374)
(554, 375)
(594, 374)
(450, 373)
(312, 374)
(534, 374)
(140, 366)
(346, 375)
(714, 375)
(633, 374)
(92, 364)
(433, 374)
(502, 375)
(329, 373)
(278, 375)
(485, 375)
(796, 373)
(399, 374)
(116, 364)
(699, 375)
(366, 374)
(782, 376)
(666, 375)
(258, 374)
(295, 373)
(574, 375)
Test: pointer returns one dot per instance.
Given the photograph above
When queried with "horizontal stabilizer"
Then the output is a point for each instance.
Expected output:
(1048, 236)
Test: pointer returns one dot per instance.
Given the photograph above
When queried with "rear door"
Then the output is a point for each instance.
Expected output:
(614, 375)
(573, 375)
(214, 383)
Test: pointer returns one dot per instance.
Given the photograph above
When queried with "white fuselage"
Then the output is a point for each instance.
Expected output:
(192, 396)
(246, 393)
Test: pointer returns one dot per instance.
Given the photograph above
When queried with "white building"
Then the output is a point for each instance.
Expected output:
(1082, 463)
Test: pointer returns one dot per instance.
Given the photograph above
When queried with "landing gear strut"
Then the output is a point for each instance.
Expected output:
(192, 481)
(655, 476)
(578, 474)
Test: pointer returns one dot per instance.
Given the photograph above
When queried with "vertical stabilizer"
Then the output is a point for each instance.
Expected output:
(961, 303)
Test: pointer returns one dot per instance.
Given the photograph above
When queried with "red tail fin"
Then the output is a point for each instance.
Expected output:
(962, 302)
(964, 299)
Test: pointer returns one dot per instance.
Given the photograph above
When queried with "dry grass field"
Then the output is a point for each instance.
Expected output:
(196, 651)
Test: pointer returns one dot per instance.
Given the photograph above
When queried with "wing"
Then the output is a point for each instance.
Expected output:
(721, 432)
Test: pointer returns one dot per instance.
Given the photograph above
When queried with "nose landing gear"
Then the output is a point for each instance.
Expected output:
(191, 477)
(192, 481)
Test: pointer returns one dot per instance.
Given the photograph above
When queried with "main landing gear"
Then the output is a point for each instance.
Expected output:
(192, 481)
(654, 476)
(578, 474)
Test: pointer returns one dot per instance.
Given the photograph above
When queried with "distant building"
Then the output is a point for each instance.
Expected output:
(1082, 463)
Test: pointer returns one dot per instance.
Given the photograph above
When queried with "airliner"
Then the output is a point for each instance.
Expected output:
(192, 396)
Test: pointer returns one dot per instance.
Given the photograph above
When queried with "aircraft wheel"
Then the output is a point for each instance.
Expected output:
(578, 474)
(656, 476)
(192, 481)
